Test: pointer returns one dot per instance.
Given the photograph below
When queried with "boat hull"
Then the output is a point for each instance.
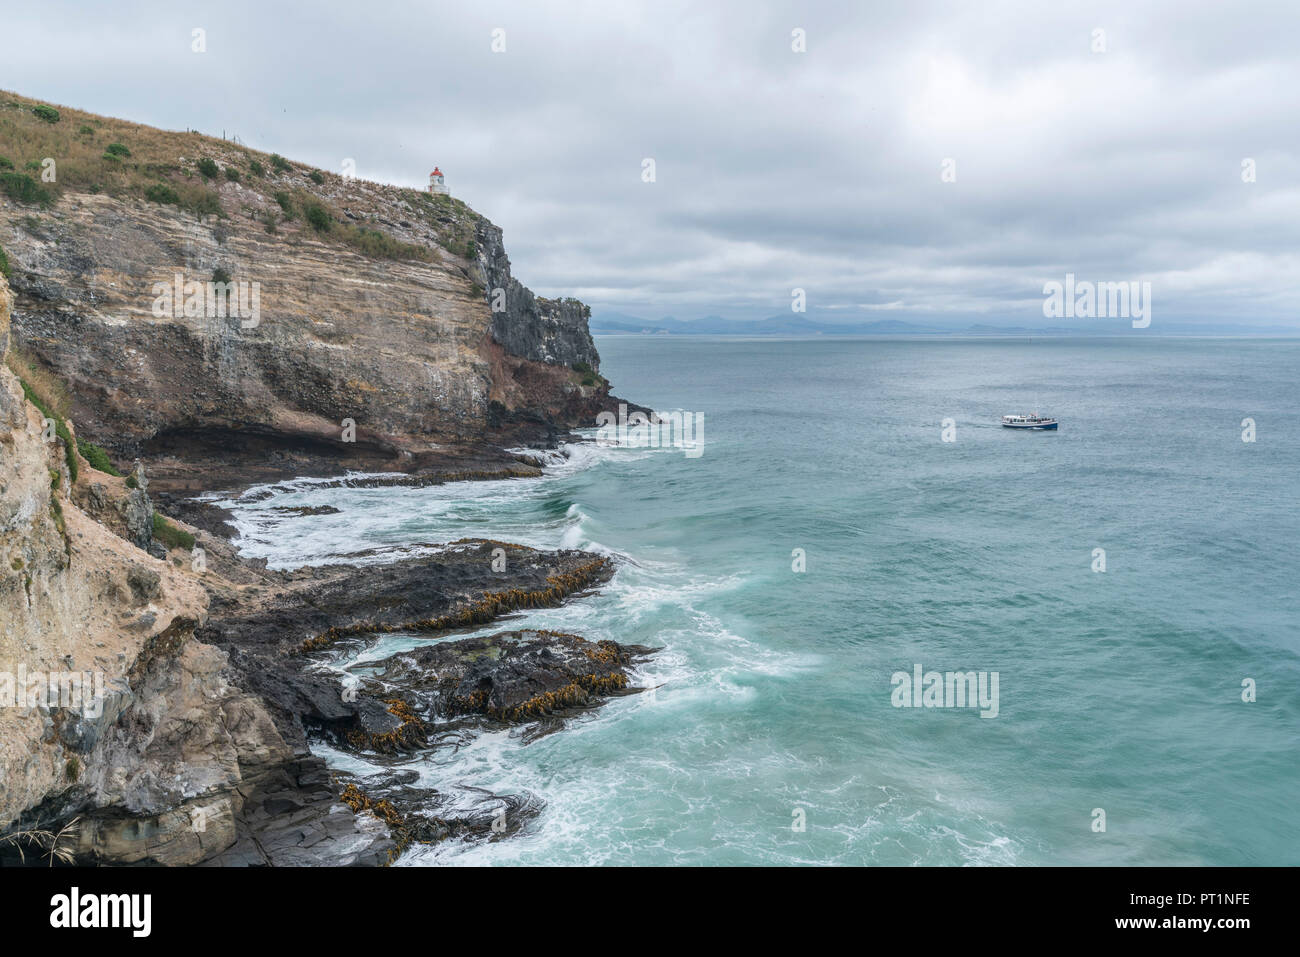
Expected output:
(1033, 427)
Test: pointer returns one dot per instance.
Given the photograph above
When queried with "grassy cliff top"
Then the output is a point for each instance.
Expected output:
(188, 170)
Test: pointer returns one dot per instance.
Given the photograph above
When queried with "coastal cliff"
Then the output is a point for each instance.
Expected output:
(391, 313)
(362, 326)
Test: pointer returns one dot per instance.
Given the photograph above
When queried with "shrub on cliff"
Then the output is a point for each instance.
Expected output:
(279, 163)
(256, 168)
(162, 193)
(6, 163)
(232, 174)
(4, 265)
(316, 177)
(379, 245)
(97, 457)
(170, 535)
(117, 149)
(202, 202)
(21, 188)
(48, 113)
(318, 218)
(49, 397)
(587, 373)
(286, 203)
(207, 168)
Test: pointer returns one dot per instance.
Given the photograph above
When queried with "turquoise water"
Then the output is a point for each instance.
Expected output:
(1119, 690)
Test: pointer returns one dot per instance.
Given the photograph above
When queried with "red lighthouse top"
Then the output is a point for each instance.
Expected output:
(436, 172)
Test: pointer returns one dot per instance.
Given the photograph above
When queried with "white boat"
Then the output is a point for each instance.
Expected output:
(1031, 421)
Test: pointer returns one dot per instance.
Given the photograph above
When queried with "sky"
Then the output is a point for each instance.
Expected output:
(923, 162)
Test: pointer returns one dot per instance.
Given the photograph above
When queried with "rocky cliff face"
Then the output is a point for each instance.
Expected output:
(110, 710)
(385, 308)
(552, 331)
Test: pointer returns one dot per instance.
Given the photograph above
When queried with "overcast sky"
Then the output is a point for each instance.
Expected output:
(774, 169)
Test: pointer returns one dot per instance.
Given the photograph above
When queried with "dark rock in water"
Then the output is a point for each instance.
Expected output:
(268, 623)
(307, 509)
(512, 677)
(419, 815)
(471, 582)
(441, 694)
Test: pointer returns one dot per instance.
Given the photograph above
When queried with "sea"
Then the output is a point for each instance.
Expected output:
(854, 541)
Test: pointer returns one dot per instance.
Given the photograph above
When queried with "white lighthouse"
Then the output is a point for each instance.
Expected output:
(436, 185)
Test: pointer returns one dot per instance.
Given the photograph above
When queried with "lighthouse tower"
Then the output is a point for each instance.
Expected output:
(436, 185)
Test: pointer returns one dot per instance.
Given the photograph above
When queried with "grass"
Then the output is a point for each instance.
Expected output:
(97, 458)
(326, 221)
(158, 166)
(60, 523)
(170, 535)
(203, 202)
(452, 219)
(54, 844)
(51, 395)
(46, 391)
(135, 158)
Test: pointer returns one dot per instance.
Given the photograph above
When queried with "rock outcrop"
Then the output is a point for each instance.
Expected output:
(552, 331)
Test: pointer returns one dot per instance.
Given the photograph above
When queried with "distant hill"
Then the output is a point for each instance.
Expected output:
(614, 323)
(793, 325)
